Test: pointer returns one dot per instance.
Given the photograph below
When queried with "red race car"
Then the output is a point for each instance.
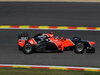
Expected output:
(49, 43)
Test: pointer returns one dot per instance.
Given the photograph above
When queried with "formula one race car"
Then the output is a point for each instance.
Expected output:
(49, 43)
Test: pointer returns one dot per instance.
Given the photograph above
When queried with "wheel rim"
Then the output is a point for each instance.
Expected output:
(80, 47)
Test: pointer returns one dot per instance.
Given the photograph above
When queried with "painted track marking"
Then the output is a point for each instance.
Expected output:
(48, 27)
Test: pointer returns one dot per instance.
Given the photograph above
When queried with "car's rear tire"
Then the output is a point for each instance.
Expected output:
(79, 48)
(28, 49)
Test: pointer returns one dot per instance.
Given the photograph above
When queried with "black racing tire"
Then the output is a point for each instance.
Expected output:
(90, 50)
(79, 48)
(28, 49)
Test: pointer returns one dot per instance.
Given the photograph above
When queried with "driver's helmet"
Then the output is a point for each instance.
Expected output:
(51, 35)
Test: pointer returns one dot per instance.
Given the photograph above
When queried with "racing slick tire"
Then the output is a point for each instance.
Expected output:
(79, 48)
(90, 50)
(28, 49)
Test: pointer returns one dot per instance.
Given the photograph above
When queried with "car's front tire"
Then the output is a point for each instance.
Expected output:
(28, 48)
(79, 48)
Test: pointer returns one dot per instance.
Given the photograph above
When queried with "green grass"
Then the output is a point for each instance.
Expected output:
(20, 71)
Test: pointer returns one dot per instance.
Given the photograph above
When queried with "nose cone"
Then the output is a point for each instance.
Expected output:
(92, 43)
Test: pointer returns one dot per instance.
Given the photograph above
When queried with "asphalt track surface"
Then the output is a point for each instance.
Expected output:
(34, 13)
(9, 53)
(72, 14)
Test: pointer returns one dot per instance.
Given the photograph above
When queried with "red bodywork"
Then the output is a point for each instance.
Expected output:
(61, 43)
(22, 42)
(92, 43)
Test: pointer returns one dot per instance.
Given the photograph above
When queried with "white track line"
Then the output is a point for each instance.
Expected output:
(47, 29)
(50, 66)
